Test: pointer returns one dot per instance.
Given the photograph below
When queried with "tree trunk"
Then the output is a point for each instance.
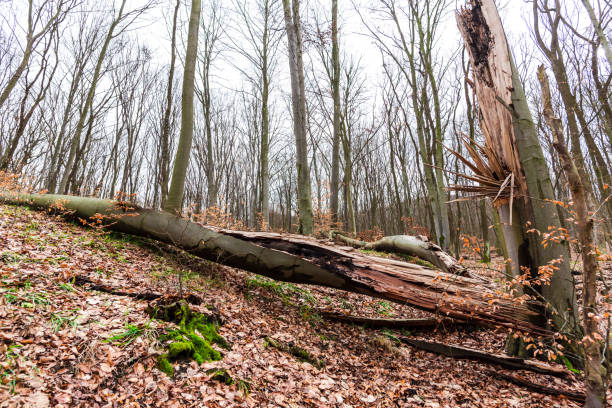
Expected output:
(594, 371)
(335, 176)
(174, 202)
(510, 133)
(265, 123)
(164, 163)
(300, 259)
(412, 246)
(291, 9)
(600, 33)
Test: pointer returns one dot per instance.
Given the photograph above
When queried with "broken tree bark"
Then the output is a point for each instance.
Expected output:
(299, 259)
(409, 245)
(500, 359)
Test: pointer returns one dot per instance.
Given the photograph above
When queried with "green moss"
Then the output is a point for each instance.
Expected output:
(180, 348)
(164, 365)
(194, 336)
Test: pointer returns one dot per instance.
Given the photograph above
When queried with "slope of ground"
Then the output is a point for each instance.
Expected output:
(64, 345)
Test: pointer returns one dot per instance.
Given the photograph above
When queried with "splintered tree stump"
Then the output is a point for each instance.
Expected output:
(416, 246)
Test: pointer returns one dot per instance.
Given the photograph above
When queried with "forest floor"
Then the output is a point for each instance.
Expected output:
(64, 345)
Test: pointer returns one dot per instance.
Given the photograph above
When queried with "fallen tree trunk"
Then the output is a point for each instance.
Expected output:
(499, 359)
(409, 245)
(390, 323)
(299, 259)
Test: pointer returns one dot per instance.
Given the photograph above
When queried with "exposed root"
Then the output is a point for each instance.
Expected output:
(90, 284)
(459, 352)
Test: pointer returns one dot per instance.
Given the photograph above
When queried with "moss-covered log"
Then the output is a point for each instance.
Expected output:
(299, 259)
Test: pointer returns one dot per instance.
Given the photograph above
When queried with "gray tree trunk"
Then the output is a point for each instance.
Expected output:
(335, 174)
(291, 9)
(164, 164)
(600, 33)
(183, 152)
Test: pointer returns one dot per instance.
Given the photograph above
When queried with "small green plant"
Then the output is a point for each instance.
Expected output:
(221, 375)
(569, 365)
(68, 286)
(10, 258)
(296, 351)
(309, 313)
(33, 226)
(39, 298)
(127, 336)
(8, 375)
(60, 320)
(244, 386)
(282, 289)
(384, 308)
(391, 336)
(10, 298)
(346, 305)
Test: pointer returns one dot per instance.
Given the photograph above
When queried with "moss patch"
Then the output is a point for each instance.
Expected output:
(295, 351)
(192, 339)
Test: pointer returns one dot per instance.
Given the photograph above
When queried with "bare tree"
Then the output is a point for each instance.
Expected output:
(596, 376)
(174, 202)
(291, 9)
(599, 30)
(164, 163)
(42, 20)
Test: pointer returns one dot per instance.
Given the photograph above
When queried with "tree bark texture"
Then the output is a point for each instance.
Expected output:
(420, 247)
(335, 176)
(164, 164)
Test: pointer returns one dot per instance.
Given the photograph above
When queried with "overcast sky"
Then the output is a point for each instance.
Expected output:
(154, 32)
